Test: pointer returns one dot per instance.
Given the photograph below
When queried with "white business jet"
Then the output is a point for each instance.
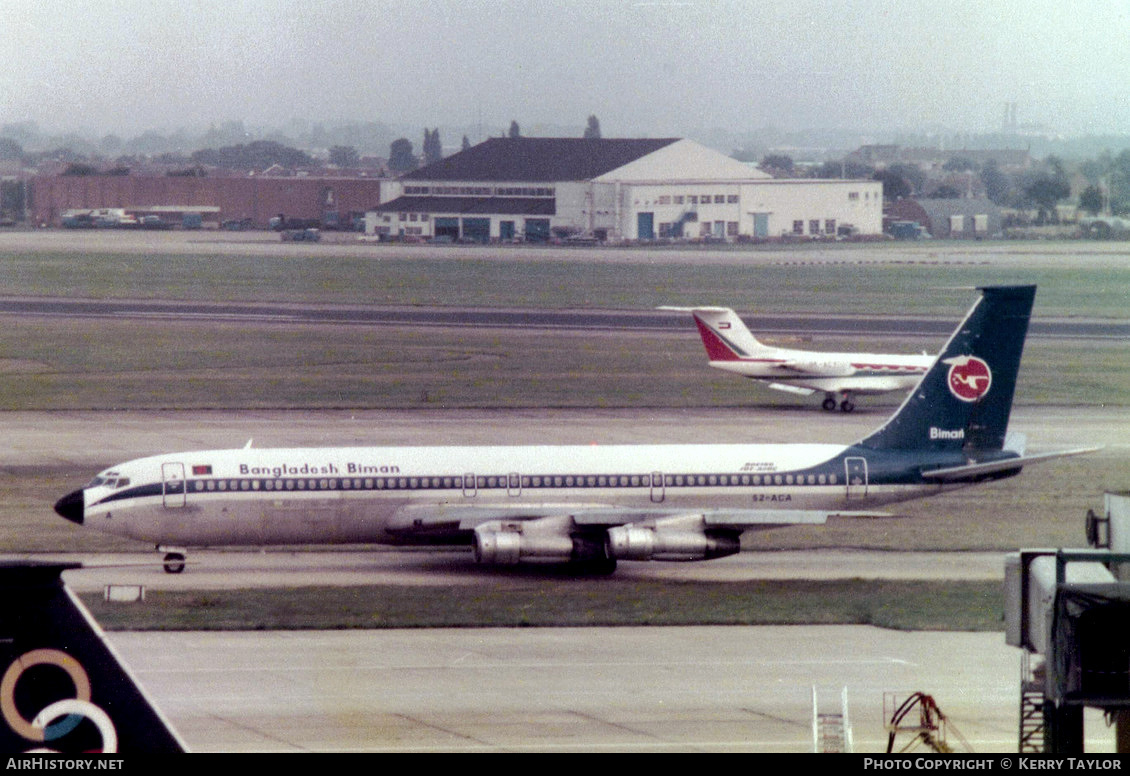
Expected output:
(731, 347)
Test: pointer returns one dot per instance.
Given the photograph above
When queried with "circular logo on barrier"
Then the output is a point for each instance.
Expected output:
(969, 377)
(57, 719)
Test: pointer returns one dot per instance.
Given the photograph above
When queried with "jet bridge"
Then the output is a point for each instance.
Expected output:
(1067, 610)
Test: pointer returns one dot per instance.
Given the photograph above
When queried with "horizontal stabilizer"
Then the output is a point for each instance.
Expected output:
(1016, 442)
(694, 309)
(977, 470)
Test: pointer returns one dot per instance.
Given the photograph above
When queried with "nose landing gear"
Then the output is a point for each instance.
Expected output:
(174, 560)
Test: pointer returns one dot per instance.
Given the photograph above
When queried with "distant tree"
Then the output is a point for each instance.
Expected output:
(257, 155)
(996, 183)
(344, 156)
(80, 168)
(1045, 191)
(845, 169)
(912, 174)
(1119, 186)
(433, 148)
(110, 144)
(466, 143)
(592, 131)
(1057, 167)
(1091, 200)
(894, 185)
(777, 165)
(12, 198)
(1094, 170)
(515, 131)
(400, 156)
(188, 172)
(959, 164)
(946, 191)
(10, 149)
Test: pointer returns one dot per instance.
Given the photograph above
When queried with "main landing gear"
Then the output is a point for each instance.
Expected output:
(846, 405)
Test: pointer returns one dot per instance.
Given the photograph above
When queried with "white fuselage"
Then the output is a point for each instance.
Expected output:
(435, 495)
(832, 372)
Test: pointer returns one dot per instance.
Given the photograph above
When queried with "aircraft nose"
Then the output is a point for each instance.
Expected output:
(70, 506)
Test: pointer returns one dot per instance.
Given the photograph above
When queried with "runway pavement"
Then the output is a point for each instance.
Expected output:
(220, 570)
(776, 324)
(680, 689)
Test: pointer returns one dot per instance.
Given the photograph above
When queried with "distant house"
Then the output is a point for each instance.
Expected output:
(947, 219)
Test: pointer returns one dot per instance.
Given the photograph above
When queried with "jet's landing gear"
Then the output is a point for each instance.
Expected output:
(846, 404)
(173, 561)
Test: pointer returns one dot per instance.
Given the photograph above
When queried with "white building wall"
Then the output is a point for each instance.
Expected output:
(794, 207)
(684, 160)
(729, 209)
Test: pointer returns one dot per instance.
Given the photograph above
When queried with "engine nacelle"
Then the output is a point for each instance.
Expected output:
(674, 540)
(506, 542)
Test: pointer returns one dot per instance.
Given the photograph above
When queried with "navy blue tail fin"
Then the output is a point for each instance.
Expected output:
(63, 688)
(965, 399)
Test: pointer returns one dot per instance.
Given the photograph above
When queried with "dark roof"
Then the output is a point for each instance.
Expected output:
(510, 206)
(540, 159)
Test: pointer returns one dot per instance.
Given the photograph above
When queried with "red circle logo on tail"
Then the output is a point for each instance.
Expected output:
(969, 377)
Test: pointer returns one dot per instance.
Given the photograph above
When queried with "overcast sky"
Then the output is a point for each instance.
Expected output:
(651, 67)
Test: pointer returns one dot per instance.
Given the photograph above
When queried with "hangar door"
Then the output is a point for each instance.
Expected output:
(477, 229)
(537, 230)
(447, 227)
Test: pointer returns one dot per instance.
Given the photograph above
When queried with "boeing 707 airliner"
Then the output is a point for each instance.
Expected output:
(587, 505)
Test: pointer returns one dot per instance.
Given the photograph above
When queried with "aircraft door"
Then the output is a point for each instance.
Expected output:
(469, 487)
(173, 487)
(645, 226)
(513, 484)
(856, 471)
(658, 493)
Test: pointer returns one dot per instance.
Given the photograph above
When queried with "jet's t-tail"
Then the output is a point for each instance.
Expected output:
(62, 687)
(723, 333)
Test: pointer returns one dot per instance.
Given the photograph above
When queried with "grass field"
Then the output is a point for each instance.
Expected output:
(971, 606)
(67, 364)
(873, 278)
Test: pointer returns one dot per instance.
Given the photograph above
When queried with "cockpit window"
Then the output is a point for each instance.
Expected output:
(122, 482)
(96, 482)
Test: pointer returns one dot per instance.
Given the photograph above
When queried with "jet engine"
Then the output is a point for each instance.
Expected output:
(506, 542)
(672, 539)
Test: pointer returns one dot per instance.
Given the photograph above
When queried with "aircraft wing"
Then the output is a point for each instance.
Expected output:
(797, 389)
(975, 471)
(432, 518)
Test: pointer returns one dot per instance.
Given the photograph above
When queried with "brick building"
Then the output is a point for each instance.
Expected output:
(255, 200)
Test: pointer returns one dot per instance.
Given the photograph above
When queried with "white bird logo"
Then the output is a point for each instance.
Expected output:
(969, 377)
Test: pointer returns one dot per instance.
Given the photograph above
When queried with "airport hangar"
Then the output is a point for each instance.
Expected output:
(617, 190)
